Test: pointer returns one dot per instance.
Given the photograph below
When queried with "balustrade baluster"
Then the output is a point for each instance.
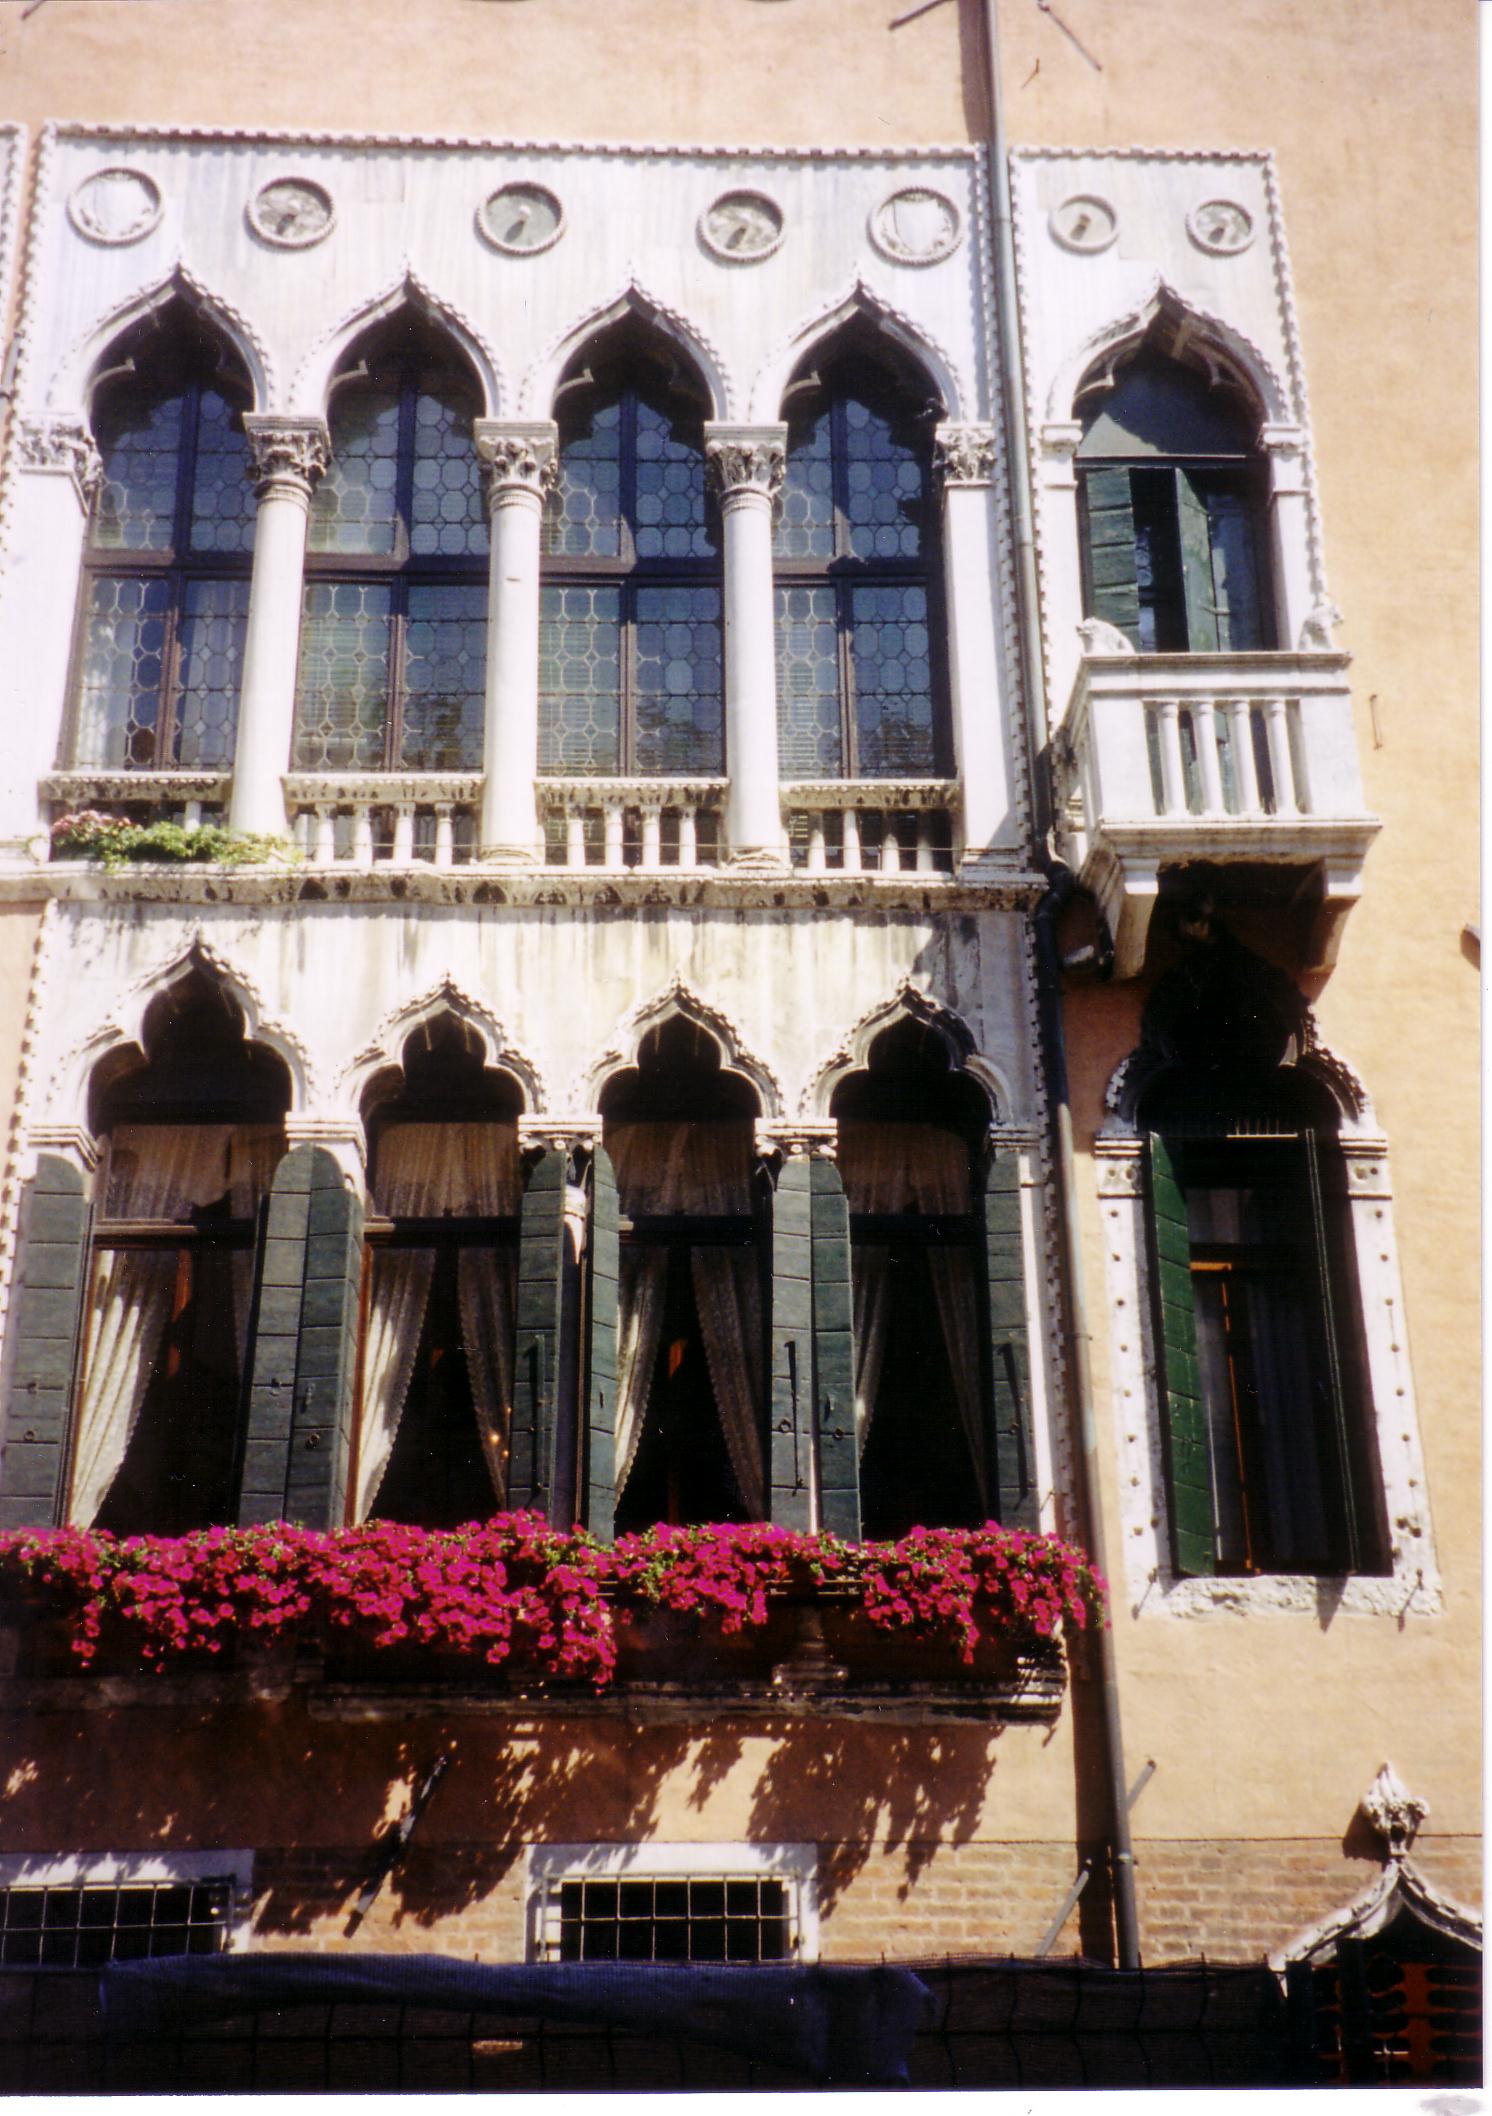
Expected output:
(1242, 720)
(445, 837)
(1205, 729)
(403, 855)
(1172, 776)
(1277, 729)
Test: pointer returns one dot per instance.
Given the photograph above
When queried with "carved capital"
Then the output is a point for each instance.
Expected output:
(63, 444)
(517, 456)
(1393, 1811)
(798, 1138)
(291, 453)
(744, 459)
(566, 1135)
(1060, 440)
(347, 1145)
(966, 455)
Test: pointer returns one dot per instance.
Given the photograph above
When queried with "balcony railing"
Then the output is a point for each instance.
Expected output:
(384, 819)
(861, 826)
(649, 824)
(1234, 760)
(186, 797)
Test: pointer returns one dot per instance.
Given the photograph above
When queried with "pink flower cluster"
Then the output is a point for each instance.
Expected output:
(515, 1589)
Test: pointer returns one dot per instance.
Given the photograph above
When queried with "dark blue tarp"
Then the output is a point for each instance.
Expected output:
(837, 2024)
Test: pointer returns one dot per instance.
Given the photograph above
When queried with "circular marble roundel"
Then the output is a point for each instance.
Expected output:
(291, 213)
(1084, 224)
(115, 205)
(521, 219)
(915, 226)
(742, 227)
(1221, 226)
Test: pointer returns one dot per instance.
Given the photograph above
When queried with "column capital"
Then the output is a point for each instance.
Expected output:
(744, 459)
(286, 453)
(61, 442)
(73, 1142)
(517, 456)
(346, 1143)
(966, 455)
(798, 1138)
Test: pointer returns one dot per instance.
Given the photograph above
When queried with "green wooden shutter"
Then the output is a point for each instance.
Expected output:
(1331, 1382)
(1204, 622)
(792, 1388)
(303, 1359)
(541, 1255)
(1014, 1464)
(603, 1266)
(1113, 582)
(833, 1353)
(45, 1328)
(1236, 586)
(1183, 1417)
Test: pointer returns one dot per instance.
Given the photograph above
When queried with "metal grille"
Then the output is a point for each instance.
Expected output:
(79, 1928)
(698, 1918)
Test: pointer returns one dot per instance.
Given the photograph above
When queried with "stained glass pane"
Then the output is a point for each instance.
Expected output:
(805, 518)
(341, 700)
(884, 487)
(448, 513)
(119, 699)
(584, 518)
(223, 504)
(354, 507)
(810, 738)
(140, 443)
(214, 615)
(670, 520)
(678, 690)
(890, 658)
(580, 679)
(445, 654)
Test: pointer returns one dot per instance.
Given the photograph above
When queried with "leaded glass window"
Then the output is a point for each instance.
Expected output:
(166, 583)
(394, 618)
(631, 677)
(859, 678)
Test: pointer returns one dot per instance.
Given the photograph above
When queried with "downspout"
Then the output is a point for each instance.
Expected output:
(1049, 982)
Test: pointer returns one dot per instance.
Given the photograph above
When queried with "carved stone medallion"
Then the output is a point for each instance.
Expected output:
(292, 213)
(521, 219)
(742, 227)
(916, 226)
(1084, 223)
(1221, 227)
(115, 205)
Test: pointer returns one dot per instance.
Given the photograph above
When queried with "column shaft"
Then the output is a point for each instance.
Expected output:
(519, 462)
(748, 464)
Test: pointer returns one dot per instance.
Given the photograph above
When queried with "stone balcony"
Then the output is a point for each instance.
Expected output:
(1236, 773)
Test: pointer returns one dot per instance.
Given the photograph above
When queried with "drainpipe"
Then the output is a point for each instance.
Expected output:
(1049, 981)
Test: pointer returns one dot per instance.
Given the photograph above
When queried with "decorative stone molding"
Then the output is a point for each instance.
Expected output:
(61, 443)
(916, 226)
(966, 455)
(291, 212)
(1320, 622)
(540, 382)
(860, 299)
(909, 1002)
(347, 1144)
(566, 1135)
(518, 458)
(1393, 1812)
(286, 455)
(679, 997)
(386, 1045)
(408, 289)
(742, 227)
(115, 206)
(74, 1142)
(746, 459)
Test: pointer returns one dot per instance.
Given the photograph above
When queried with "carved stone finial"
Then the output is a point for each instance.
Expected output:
(746, 458)
(63, 443)
(1320, 622)
(517, 456)
(1100, 637)
(966, 455)
(1393, 1811)
(283, 451)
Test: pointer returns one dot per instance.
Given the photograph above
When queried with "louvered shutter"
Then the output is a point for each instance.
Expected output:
(1205, 625)
(1014, 1459)
(601, 1308)
(1327, 1211)
(303, 1357)
(792, 1388)
(45, 1328)
(541, 1252)
(833, 1353)
(1113, 581)
(1183, 1417)
(1236, 585)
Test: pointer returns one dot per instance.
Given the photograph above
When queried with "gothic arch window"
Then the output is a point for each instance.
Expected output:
(630, 613)
(1173, 510)
(165, 598)
(192, 1137)
(692, 1292)
(861, 684)
(394, 623)
(440, 1284)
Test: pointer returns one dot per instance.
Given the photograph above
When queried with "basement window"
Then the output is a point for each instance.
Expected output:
(673, 1903)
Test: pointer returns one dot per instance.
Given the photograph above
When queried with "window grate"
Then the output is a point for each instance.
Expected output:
(86, 1926)
(680, 1918)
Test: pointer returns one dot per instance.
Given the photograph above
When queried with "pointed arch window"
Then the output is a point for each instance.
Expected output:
(861, 685)
(393, 644)
(631, 673)
(159, 650)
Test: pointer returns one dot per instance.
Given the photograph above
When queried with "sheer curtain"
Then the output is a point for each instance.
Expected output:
(702, 1169)
(156, 1172)
(429, 1171)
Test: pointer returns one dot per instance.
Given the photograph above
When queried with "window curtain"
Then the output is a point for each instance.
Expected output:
(164, 1173)
(914, 1168)
(702, 1169)
(429, 1171)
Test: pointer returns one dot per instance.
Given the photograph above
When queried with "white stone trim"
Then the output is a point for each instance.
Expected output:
(549, 1864)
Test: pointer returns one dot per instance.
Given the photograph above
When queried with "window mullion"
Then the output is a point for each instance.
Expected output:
(393, 726)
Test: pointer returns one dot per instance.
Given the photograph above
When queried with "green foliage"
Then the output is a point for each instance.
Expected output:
(116, 842)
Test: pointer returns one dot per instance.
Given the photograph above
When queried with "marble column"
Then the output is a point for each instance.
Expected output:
(747, 464)
(520, 466)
